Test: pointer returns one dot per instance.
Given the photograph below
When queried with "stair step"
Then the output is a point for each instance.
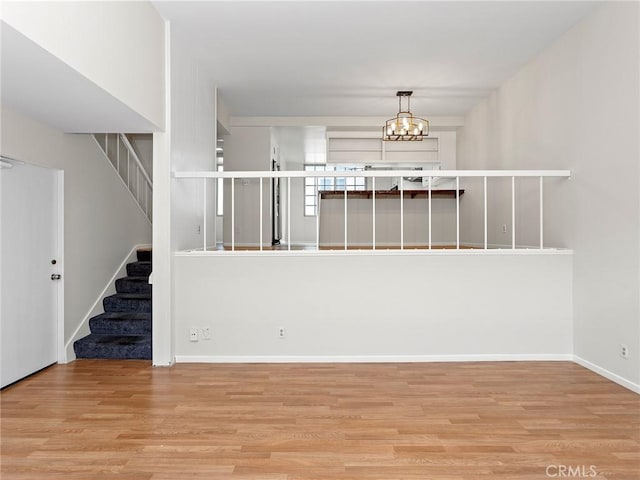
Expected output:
(139, 269)
(124, 330)
(121, 323)
(144, 255)
(128, 302)
(114, 346)
(133, 285)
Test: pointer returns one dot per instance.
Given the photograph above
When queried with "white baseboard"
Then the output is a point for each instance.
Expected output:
(634, 387)
(515, 357)
(96, 308)
(372, 358)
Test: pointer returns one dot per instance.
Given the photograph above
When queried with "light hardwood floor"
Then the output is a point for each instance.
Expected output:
(126, 420)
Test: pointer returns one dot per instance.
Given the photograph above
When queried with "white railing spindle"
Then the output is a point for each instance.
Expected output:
(485, 212)
(118, 153)
(315, 182)
(138, 185)
(430, 224)
(541, 216)
(136, 160)
(260, 241)
(130, 175)
(289, 213)
(458, 213)
(401, 213)
(204, 214)
(233, 215)
(513, 212)
(345, 215)
(373, 209)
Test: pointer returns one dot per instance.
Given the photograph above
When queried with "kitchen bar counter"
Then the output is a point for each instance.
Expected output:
(360, 218)
(435, 193)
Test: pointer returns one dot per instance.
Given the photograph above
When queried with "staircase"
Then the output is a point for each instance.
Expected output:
(123, 331)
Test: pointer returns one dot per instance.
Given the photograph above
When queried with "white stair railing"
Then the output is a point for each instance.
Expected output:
(124, 159)
(431, 176)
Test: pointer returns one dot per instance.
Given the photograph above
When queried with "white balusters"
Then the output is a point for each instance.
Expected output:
(134, 175)
(407, 218)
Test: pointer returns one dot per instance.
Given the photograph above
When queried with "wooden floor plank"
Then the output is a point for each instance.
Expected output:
(124, 419)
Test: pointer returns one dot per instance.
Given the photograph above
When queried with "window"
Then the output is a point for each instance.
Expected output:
(313, 185)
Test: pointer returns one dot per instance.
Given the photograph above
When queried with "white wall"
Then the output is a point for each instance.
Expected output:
(110, 43)
(187, 144)
(447, 149)
(247, 149)
(193, 145)
(576, 106)
(102, 221)
(405, 307)
(294, 144)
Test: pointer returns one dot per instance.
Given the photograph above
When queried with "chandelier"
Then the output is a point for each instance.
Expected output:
(405, 127)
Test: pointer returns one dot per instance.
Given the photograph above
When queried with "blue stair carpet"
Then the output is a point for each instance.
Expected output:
(139, 269)
(123, 331)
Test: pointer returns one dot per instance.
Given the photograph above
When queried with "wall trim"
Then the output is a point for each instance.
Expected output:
(94, 310)
(515, 357)
(395, 251)
(634, 387)
(507, 246)
(442, 122)
(61, 351)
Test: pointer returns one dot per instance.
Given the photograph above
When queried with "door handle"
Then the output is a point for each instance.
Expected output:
(56, 276)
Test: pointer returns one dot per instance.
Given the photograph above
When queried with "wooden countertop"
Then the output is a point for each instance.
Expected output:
(391, 194)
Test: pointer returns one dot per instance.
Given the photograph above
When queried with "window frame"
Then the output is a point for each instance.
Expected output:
(331, 184)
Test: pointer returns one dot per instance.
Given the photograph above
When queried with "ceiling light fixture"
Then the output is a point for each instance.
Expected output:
(405, 127)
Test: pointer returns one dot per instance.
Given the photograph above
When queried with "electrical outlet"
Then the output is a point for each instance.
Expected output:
(193, 334)
(504, 228)
(624, 351)
(281, 332)
(198, 229)
(206, 333)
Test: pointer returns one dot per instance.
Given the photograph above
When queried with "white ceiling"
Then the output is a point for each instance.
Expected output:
(310, 58)
(349, 58)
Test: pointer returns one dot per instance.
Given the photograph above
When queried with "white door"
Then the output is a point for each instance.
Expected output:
(30, 259)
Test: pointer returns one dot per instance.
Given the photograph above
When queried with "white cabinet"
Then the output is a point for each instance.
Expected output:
(369, 148)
